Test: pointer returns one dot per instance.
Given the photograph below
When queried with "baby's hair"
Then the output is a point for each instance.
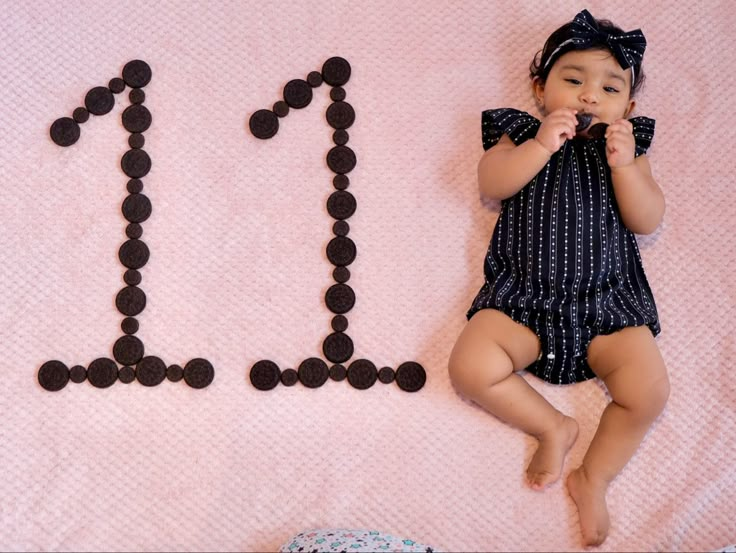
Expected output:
(539, 67)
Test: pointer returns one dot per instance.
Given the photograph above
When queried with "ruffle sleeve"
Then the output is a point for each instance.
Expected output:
(643, 134)
(518, 125)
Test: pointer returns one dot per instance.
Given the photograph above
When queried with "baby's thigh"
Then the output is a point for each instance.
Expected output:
(491, 347)
(632, 367)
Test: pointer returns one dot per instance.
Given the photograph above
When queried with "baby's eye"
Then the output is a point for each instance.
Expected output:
(610, 89)
(573, 81)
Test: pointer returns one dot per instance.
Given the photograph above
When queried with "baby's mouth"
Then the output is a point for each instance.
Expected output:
(584, 120)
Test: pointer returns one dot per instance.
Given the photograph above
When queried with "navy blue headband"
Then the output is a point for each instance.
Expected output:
(628, 48)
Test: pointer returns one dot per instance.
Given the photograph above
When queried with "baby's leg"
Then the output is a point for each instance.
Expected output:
(632, 368)
(491, 348)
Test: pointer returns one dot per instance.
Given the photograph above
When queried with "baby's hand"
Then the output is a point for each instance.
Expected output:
(620, 146)
(557, 127)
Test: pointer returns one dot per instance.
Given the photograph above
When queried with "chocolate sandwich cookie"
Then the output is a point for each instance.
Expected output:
(150, 371)
(126, 374)
(102, 372)
(386, 375)
(298, 93)
(65, 131)
(137, 73)
(314, 79)
(340, 137)
(340, 159)
(136, 163)
(411, 376)
(340, 115)
(134, 231)
(199, 373)
(53, 376)
(263, 124)
(338, 347)
(136, 119)
(362, 374)
(130, 301)
(339, 323)
(337, 94)
(313, 372)
(174, 373)
(341, 228)
(134, 254)
(584, 120)
(341, 274)
(136, 141)
(341, 251)
(80, 115)
(341, 182)
(340, 298)
(131, 277)
(116, 85)
(128, 350)
(137, 208)
(99, 100)
(338, 372)
(265, 375)
(341, 204)
(135, 186)
(78, 374)
(289, 377)
(281, 108)
(137, 96)
(598, 130)
(129, 325)
(336, 71)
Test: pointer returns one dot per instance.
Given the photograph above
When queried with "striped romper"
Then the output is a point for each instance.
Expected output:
(561, 262)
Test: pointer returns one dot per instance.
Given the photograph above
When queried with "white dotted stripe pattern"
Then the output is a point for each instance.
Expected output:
(561, 260)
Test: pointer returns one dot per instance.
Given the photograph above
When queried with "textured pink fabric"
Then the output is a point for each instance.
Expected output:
(238, 273)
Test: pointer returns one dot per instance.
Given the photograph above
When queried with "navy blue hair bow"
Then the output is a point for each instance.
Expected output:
(628, 48)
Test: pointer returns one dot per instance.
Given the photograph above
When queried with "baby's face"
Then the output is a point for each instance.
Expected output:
(590, 81)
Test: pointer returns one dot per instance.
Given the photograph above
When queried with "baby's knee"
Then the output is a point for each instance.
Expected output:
(660, 393)
(650, 399)
(472, 374)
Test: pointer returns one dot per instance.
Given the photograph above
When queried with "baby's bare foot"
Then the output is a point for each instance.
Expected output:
(546, 465)
(590, 498)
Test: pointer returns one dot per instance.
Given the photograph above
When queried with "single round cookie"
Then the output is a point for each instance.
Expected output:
(362, 374)
(102, 372)
(99, 100)
(137, 73)
(65, 131)
(338, 347)
(298, 93)
(199, 373)
(53, 376)
(150, 371)
(265, 375)
(130, 301)
(128, 350)
(340, 159)
(411, 376)
(313, 372)
(336, 71)
(341, 251)
(263, 124)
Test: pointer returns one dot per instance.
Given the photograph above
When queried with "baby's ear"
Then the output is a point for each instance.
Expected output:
(538, 89)
(630, 109)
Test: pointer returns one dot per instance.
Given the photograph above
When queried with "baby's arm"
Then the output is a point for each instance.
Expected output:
(506, 168)
(640, 200)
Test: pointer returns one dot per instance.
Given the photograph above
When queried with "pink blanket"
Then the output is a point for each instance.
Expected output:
(238, 273)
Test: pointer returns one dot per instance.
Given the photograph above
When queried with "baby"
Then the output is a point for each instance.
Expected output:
(565, 295)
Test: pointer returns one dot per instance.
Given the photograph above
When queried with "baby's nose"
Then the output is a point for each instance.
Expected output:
(589, 96)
